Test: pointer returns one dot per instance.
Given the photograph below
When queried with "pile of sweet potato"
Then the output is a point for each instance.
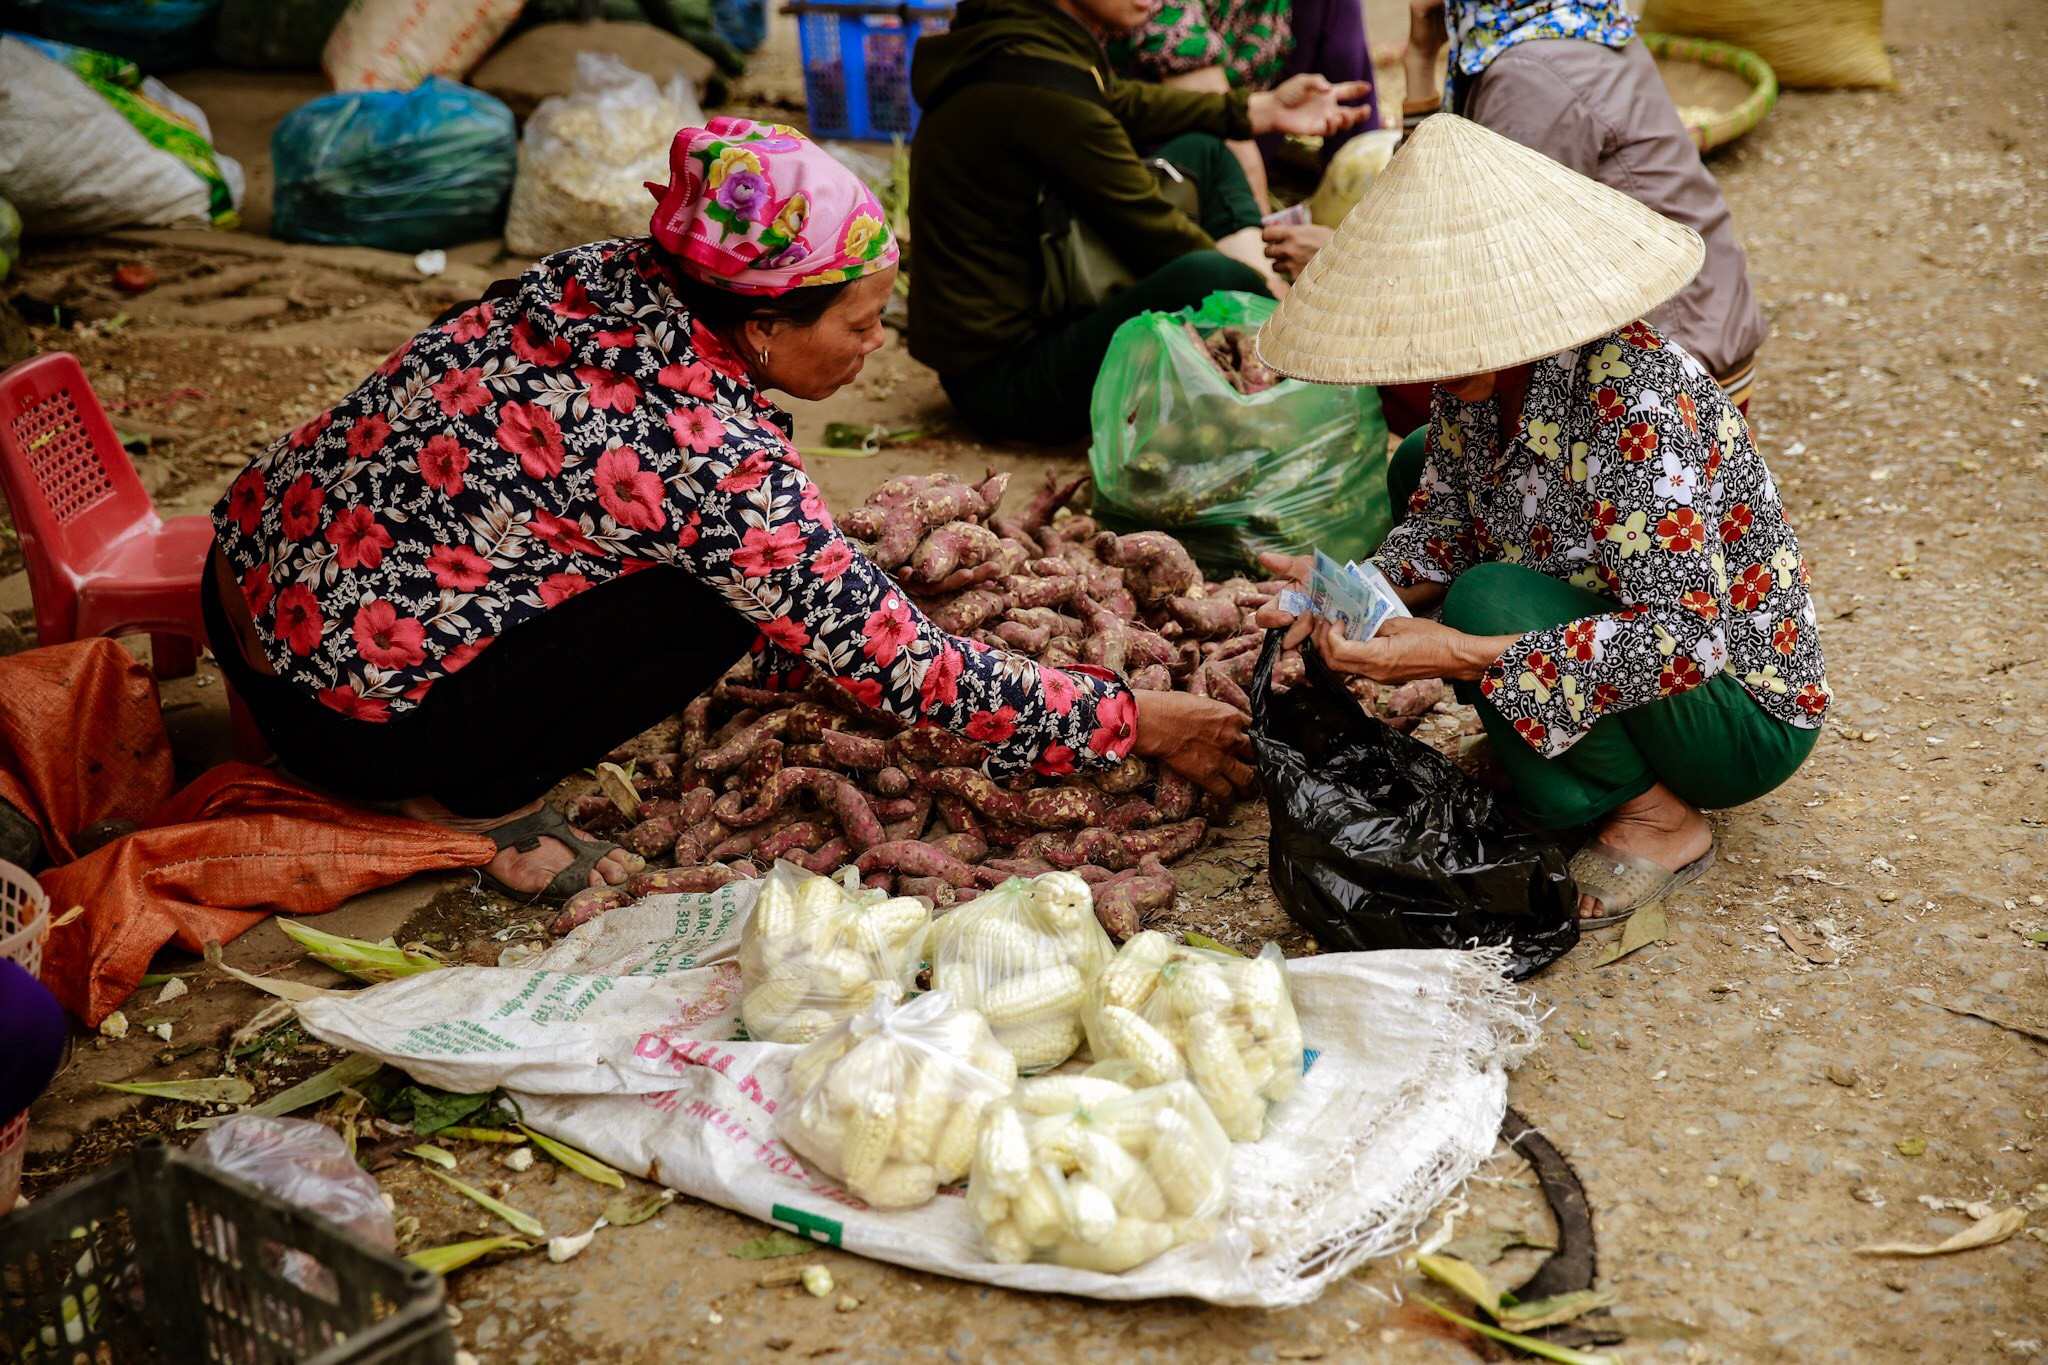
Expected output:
(815, 777)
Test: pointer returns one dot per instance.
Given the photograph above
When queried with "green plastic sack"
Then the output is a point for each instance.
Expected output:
(275, 34)
(1293, 468)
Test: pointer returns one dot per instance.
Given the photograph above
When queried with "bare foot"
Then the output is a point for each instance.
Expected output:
(1658, 826)
(525, 872)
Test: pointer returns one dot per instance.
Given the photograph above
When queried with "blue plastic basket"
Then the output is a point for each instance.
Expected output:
(857, 65)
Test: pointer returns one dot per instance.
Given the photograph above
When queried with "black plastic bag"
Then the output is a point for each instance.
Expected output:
(1380, 842)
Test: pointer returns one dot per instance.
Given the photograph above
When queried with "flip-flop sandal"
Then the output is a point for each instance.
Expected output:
(525, 834)
(1614, 877)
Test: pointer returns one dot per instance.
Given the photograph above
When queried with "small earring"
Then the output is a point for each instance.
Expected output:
(764, 355)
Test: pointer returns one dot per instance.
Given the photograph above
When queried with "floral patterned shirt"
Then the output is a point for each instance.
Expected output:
(1632, 476)
(539, 445)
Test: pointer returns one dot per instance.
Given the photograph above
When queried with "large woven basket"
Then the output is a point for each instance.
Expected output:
(1721, 90)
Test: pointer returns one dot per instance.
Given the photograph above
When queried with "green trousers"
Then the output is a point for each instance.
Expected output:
(1040, 391)
(1713, 746)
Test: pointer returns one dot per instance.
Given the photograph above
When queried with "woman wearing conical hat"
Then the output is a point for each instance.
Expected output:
(1621, 595)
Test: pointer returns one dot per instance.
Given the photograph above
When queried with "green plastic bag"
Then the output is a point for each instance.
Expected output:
(1291, 469)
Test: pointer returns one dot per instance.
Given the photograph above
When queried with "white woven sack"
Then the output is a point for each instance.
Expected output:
(619, 1040)
(396, 44)
(70, 163)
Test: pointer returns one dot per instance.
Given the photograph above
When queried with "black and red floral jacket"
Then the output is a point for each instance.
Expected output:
(540, 445)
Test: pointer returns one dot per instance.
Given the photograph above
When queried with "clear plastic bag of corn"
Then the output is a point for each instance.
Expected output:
(889, 1101)
(816, 951)
(1088, 1173)
(1169, 1011)
(1023, 955)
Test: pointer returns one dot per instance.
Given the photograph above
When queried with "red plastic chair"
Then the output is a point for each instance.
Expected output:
(100, 560)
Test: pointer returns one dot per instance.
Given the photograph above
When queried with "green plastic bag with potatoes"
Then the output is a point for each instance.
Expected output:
(1193, 436)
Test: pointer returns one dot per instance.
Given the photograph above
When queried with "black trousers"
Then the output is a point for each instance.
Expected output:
(549, 697)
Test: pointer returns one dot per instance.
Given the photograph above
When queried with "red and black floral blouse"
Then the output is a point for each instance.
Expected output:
(543, 444)
(1632, 476)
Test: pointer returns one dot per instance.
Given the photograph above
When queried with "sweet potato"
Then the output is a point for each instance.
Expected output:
(912, 824)
(945, 550)
(960, 817)
(1204, 616)
(1066, 807)
(587, 905)
(976, 790)
(1123, 903)
(687, 880)
(1048, 567)
(896, 515)
(1156, 566)
(595, 813)
(1174, 795)
(805, 836)
(1135, 813)
(1151, 678)
(696, 727)
(929, 744)
(890, 781)
(1126, 777)
(967, 846)
(828, 859)
(937, 890)
(1166, 842)
(1217, 683)
(694, 844)
(1413, 699)
(1018, 867)
(882, 880)
(1020, 591)
(968, 610)
(843, 750)
(915, 859)
(1062, 652)
(653, 837)
(1050, 498)
(761, 765)
(1017, 635)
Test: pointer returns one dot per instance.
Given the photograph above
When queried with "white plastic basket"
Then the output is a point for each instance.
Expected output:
(24, 918)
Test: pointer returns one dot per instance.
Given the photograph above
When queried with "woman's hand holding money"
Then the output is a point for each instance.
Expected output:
(1406, 648)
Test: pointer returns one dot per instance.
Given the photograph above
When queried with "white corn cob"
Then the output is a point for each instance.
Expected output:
(1261, 989)
(1036, 1210)
(1125, 1035)
(1002, 1156)
(1219, 1074)
(869, 1128)
(1110, 1167)
(1132, 1242)
(963, 984)
(898, 922)
(1065, 1094)
(1190, 1180)
(818, 898)
(1093, 1215)
(1129, 980)
(1196, 989)
(800, 1027)
(775, 910)
(769, 1001)
(1006, 1244)
(927, 1105)
(1065, 900)
(1037, 1046)
(1041, 995)
(992, 1059)
(953, 1148)
(898, 1185)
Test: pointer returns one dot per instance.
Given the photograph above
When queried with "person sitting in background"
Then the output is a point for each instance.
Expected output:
(1223, 45)
(549, 521)
(1018, 101)
(1623, 598)
(1568, 79)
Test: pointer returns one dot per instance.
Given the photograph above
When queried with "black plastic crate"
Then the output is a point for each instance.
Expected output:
(163, 1258)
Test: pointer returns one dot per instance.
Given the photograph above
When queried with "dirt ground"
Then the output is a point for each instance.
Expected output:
(1743, 1116)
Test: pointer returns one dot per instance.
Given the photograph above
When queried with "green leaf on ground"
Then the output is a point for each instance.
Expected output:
(446, 1260)
(776, 1243)
(1487, 1245)
(1564, 1355)
(524, 1222)
(1196, 940)
(1464, 1278)
(630, 1210)
(1527, 1317)
(1912, 1146)
(209, 1090)
(1644, 927)
(323, 1085)
(433, 1110)
(359, 958)
(584, 1164)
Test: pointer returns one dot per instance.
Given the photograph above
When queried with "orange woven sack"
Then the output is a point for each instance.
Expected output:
(1811, 44)
(81, 739)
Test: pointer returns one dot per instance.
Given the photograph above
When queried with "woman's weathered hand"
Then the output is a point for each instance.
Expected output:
(1291, 246)
(1294, 569)
(1309, 106)
(1407, 648)
(1201, 739)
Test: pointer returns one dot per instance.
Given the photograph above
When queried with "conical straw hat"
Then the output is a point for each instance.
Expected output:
(1470, 253)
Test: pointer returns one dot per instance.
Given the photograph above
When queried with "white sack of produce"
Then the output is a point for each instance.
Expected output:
(87, 144)
(1023, 954)
(1225, 1022)
(1093, 1175)
(396, 44)
(586, 158)
(889, 1101)
(615, 1042)
(816, 952)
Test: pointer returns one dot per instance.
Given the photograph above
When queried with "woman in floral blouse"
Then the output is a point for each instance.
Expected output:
(549, 520)
(1622, 595)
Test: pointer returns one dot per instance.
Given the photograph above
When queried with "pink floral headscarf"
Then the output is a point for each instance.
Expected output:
(761, 209)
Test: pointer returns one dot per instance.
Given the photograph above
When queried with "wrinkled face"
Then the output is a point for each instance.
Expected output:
(1472, 388)
(817, 361)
